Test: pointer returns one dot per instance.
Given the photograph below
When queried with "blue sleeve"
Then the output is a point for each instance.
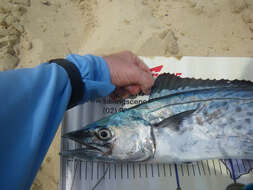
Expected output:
(32, 104)
(98, 82)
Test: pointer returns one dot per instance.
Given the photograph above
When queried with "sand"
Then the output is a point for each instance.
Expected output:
(32, 32)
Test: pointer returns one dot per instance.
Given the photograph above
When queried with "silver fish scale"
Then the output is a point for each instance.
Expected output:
(227, 124)
(187, 101)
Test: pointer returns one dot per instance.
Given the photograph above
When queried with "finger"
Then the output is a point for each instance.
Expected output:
(120, 93)
(145, 80)
(141, 65)
(123, 93)
(133, 89)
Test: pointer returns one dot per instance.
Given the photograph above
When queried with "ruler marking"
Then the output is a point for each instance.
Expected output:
(115, 171)
(187, 167)
(80, 170)
(86, 170)
(220, 167)
(214, 168)
(67, 164)
(146, 170)
(109, 172)
(152, 170)
(66, 173)
(104, 170)
(158, 170)
(227, 170)
(209, 171)
(238, 166)
(250, 163)
(193, 169)
(164, 170)
(127, 171)
(133, 170)
(91, 170)
(140, 170)
(121, 171)
(243, 164)
(66, 168)
(198, 168)
(75, 165)
(247, 163)
(203, 167)
(182, 170)
(97, 170)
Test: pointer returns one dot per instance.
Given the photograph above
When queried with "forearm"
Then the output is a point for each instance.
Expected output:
(33, 102)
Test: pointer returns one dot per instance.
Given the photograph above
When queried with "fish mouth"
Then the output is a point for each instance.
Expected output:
(90, 152)
(86, 150)
(82, 153)
(77, 135)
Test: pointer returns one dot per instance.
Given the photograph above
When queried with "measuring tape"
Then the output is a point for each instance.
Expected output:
(87, 173)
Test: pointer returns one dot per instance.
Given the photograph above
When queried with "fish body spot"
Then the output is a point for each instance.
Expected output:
(248, 120)
(238, 109)
(232, 120)
(250, 113)
(238, 127)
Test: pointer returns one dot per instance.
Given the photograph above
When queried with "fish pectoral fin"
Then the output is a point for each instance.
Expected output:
(174, 121)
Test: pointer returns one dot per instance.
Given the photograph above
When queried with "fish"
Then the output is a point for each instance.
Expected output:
(185, 120)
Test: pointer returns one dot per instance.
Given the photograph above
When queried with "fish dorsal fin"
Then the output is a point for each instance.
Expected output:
(167, 84)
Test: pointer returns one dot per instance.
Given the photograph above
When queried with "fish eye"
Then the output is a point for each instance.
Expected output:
(104, 134)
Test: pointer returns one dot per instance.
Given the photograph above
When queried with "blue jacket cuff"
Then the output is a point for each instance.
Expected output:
(95, 75)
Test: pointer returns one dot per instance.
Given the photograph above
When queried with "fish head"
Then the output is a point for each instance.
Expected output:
(117, 138)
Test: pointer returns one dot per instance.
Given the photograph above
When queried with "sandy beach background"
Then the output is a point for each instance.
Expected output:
(32, 32)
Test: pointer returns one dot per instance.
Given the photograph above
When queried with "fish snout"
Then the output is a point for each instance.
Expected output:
(79, 135)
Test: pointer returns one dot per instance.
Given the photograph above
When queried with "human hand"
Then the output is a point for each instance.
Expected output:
(129, 74)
